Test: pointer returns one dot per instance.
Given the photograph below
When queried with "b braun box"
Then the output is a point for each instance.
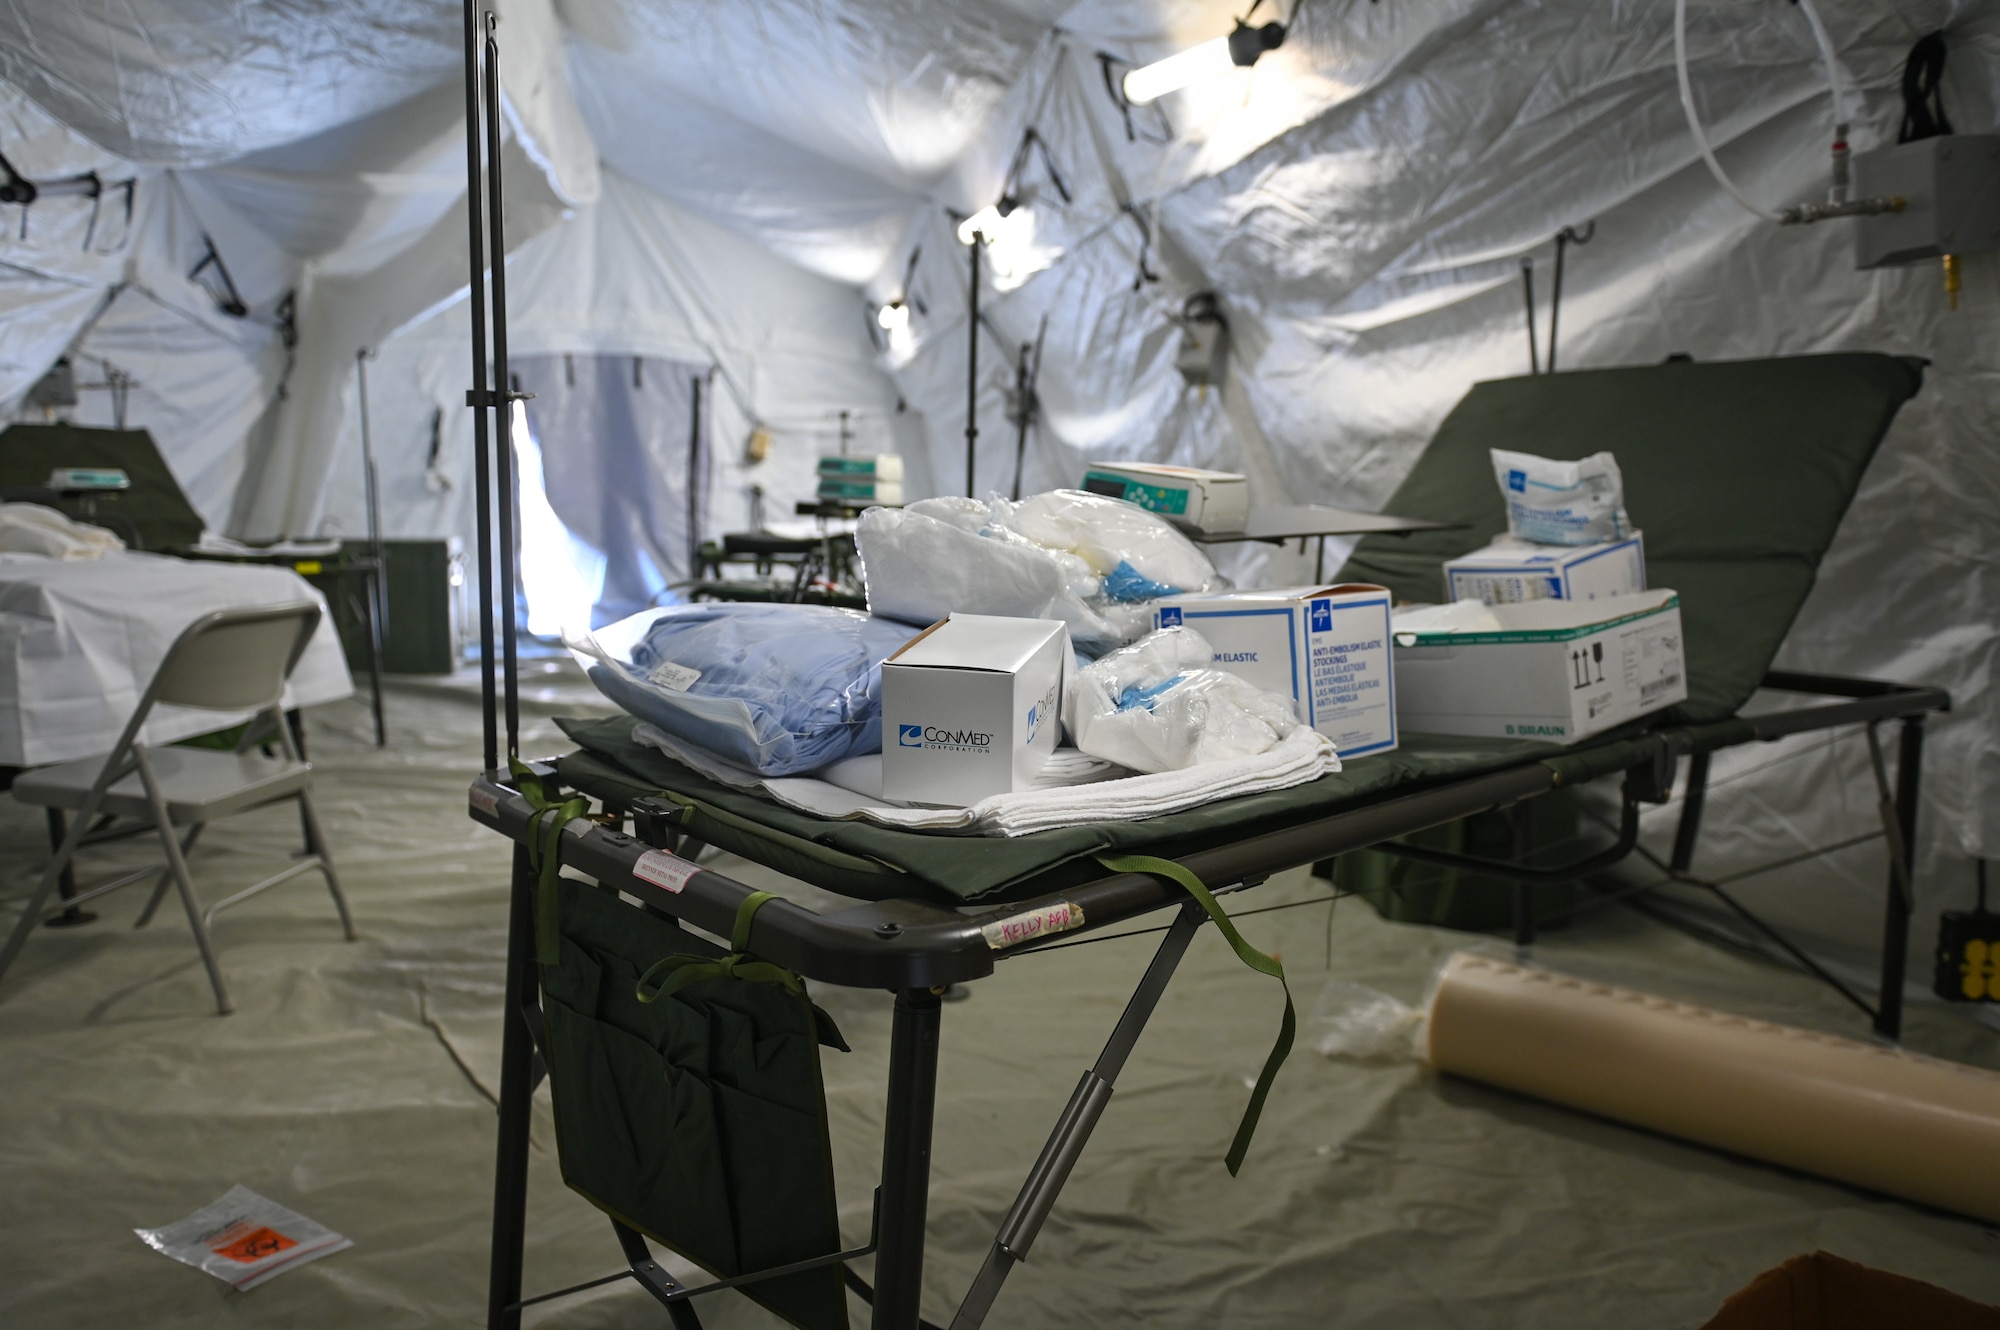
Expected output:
(971, 708)
(1204, 500)
(1509, 571)
(1326, 648)
(1546, 669)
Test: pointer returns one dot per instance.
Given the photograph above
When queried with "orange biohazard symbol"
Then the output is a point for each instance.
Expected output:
(254, 1246)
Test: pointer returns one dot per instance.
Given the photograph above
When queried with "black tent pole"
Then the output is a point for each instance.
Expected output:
(506, 395)
(1528, 295)
(1556, 295)
(972, 371)
(477, 398)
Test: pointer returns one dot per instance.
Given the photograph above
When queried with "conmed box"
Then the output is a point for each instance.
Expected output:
(1510, 570)
(971, 708)
(1204, 500)
(1326, 648)
(1546, 669)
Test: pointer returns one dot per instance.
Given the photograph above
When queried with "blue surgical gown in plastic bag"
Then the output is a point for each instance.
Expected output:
(779, 689)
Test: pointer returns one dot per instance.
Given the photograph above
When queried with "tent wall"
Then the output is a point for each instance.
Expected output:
(635, 275)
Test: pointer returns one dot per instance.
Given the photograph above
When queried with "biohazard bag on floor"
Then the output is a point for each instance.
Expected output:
(244, 1239)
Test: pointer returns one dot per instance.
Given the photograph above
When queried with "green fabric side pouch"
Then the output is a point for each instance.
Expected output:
(693, 1109)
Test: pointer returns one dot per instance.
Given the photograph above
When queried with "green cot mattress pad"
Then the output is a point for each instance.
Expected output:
(873, 862)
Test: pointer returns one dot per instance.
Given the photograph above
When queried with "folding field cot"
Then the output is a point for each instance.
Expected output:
(666, 1069)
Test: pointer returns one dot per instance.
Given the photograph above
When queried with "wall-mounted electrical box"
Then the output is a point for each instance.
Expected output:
(1950, 187)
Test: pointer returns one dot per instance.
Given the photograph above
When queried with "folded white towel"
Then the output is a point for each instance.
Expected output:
(1073, 789)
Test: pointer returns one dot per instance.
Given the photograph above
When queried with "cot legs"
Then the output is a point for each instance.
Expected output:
(517, 1058)
(906, 1159)
(1899, 828)
(1045, 1181)
(1901, 820)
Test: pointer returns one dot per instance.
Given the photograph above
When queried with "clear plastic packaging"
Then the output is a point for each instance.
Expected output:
(777, 689)
(1138, 555)
(1562, 503)
(244, 1239)
(1363, 1024)
(1157, 706)
(1084, 559)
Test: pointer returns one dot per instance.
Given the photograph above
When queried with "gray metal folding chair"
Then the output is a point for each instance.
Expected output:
(231, 660)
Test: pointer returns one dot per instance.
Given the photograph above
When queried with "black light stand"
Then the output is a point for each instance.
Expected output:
(1023, 406)
(491, 463)
(972, 369)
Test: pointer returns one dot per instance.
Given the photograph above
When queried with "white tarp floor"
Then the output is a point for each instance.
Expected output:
(352, 1085)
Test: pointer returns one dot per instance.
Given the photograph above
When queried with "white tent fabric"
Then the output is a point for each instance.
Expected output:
(740, 186)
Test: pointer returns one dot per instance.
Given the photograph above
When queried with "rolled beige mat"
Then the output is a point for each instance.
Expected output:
(1882, 1118)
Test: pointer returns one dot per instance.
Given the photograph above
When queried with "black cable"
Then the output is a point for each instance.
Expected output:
(1923, 104)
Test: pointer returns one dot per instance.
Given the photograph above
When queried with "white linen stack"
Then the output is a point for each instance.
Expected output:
(1073, 790)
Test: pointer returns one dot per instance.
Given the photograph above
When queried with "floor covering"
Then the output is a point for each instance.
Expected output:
(353, 1084)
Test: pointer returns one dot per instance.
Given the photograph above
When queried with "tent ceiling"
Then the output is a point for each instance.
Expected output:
(193, 82)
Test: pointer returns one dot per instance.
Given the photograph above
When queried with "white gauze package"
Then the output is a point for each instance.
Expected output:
(1157, 705)
(1562, 503)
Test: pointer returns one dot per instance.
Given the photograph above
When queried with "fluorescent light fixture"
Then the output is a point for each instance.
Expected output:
(893, 317)
(1239, 50)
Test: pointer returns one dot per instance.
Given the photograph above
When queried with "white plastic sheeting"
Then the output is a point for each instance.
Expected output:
(1360, 201)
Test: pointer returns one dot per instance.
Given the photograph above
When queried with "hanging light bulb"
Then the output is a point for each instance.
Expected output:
(893, 317)
(1239, 50)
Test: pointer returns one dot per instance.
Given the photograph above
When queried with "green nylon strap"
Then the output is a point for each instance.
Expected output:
(1250, 956)
(683, 970)
(546, 823)
(739, 936)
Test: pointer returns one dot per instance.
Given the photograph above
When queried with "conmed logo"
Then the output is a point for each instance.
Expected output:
(930, 736)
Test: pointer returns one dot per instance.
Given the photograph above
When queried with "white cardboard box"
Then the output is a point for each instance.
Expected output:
(971, 708)
(1204, 500)
(1546, 669)
(1326, 648)
(1510, 571)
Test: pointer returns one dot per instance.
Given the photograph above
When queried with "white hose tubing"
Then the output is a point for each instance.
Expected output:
(1834, 80)
(1881, 1118)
